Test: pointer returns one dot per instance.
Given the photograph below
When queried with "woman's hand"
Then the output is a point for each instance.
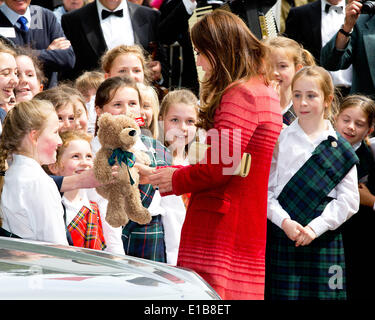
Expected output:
(162, 179)
(144, 172)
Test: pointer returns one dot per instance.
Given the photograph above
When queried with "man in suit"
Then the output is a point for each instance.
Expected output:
(286, 5)
(354, 44)
(30, 25)
(173, 27)
(313, 25)
(104, 24)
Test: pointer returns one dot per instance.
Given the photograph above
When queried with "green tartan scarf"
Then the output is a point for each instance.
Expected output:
(308, 188)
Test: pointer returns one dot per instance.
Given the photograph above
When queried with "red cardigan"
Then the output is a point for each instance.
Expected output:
(224, 234)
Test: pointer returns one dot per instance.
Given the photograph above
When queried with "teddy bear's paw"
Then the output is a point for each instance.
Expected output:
(117, 221)
(141, 217)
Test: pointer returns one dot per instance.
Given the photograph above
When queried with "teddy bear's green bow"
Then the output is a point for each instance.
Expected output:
(123, 156)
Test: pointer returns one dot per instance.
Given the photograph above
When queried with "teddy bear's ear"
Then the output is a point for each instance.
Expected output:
(104, 119)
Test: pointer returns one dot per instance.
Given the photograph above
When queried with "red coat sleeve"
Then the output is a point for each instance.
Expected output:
(235, 121)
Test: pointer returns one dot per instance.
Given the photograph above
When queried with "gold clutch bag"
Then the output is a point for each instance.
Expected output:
(197, 151)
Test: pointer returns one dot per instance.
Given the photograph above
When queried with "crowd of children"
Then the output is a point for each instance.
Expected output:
(321, 193)
(121, 88)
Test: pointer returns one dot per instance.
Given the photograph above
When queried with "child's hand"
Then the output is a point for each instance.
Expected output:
(291, 228)
(306, 236)
(366, 197)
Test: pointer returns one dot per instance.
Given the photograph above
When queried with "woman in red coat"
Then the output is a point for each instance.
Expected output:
(224, 234)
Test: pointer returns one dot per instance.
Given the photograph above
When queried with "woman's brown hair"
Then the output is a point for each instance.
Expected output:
(234, 54)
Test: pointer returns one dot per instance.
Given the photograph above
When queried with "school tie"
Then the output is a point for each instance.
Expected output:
(23, 22)
(338, 9)
(106, 13)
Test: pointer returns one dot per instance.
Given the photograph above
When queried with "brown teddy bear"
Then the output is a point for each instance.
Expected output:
(117, 135)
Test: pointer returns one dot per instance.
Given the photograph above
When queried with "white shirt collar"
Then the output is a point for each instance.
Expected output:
(295, 127)
(28, 161)
(341, 3)
(123, 5)
(357, 145)
(13, 16)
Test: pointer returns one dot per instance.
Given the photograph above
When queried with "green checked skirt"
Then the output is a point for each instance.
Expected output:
(316, 271)
(145, 241)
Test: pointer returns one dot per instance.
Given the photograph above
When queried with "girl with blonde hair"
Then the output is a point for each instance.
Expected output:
(127, 60)
(312, 191)
(178, 116)
(70, 107)
(287, 57)
(82, 216)
(149, 109)
(30, 201)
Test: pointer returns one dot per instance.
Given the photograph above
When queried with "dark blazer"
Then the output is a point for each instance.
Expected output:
(82, 28)
(303, 25)
(44, 28)
(174, 27)
(359, 52)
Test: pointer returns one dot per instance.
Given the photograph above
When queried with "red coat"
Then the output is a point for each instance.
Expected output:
(224, 234)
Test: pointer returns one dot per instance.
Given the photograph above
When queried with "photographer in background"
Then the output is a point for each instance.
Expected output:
(354, 44)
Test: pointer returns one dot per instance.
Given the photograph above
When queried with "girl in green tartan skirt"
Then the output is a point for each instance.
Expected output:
(355, 122)
(312, 191)
(120, 95)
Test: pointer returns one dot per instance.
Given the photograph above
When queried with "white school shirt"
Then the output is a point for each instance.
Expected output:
(172, 223)
(331, 23)
(116, 30)
(293, 150)
(72, 208)
(112, 236)
(31, 203)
